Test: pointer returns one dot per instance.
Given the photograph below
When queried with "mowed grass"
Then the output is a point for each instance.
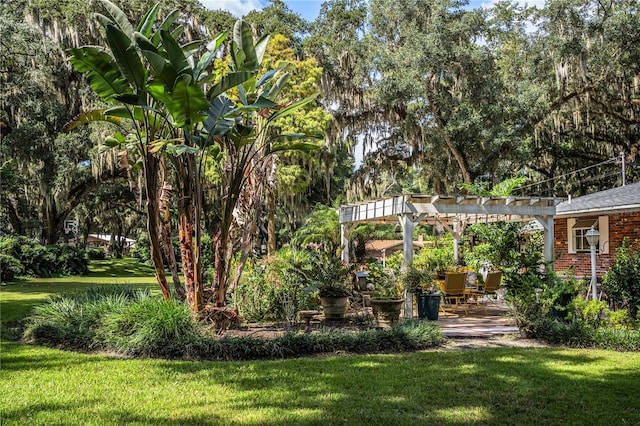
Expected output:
(498, 386)
(503, 386)
(18, 298)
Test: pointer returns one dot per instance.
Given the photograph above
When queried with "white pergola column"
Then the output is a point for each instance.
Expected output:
(345, 230)
(547, 224)
(457, 234)
(407, 222)
(456, 231)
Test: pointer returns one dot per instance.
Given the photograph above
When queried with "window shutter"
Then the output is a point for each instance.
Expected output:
(571, 222)
(603, 227)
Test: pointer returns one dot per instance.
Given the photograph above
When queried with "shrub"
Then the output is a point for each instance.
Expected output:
(404, 336)
(96, 254)
(278, 288)
(70, 260)
(131, 322)
(72, 320)
(622, 282)
(10, 268)
(43, 261)
(152, 327)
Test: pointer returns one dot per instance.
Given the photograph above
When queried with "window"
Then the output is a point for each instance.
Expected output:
(578, 228)
(579, 234)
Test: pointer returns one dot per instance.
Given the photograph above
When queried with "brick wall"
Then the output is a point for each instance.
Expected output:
(620, 225)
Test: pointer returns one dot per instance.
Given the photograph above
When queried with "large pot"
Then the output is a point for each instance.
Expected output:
(386, 311)
(334, 307)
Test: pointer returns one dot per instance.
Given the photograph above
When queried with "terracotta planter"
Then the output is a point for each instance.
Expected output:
(386, 311)
(334, 307)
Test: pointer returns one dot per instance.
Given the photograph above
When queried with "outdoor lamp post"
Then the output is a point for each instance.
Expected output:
(592, 236)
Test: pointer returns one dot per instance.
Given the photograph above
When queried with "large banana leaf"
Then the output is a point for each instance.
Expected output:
(158, 91)
(126, 56)
(218, 123)
(293, 107)
(206, 59)
(275, 90)
(189, 103)
(261, 47)
(146, 23)
(176, 55)
(161, 68)
(230, 80)
(89, 117)
(119, 17)
(102, 73)
(144, 43)
(166, 24)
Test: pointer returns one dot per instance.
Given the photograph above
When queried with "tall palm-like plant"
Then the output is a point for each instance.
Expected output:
(160, 91)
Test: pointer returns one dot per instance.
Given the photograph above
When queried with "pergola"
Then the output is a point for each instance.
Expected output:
(454, 212)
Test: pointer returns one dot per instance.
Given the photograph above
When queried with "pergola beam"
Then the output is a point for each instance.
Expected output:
(454, 212)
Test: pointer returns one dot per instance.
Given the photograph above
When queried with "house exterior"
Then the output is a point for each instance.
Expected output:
(615, 213)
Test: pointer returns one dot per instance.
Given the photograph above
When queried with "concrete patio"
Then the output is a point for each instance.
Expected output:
(487, 320)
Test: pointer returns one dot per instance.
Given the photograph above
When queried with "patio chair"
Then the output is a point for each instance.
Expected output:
(490, 287)
(455, 287)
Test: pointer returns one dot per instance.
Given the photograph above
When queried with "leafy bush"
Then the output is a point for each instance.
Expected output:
(43, 261)
(72, 320)
(582, 335)
(278, 288)
(404, 336)
(96, 254)
(622, 282)
(151, 326)
(70, 260)
(253, 297)
(10, 268)
(131, 322)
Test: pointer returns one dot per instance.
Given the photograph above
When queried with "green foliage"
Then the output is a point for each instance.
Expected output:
(37, 260)
(278, 288)
(499, 245)
(622, 281)
(10, 268)
(384, 283)
(73, 319)
(96, 254)
(255, 296)
(435, 259)
(328, 274)
(151, 327)
(416, 280)
(502, 189)
(321, 228)
(131, 322)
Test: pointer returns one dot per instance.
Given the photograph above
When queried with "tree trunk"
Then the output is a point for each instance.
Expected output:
(271, 222)
(220, 268)
(151, 166)
(165, 235)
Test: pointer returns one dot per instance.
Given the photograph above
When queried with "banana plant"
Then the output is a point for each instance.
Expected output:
(177, 112)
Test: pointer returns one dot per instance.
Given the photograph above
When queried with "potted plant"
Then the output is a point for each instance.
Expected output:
(387, 300)
(332, 279)
(420, 283)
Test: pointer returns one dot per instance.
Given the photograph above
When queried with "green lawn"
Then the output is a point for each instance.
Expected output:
(493, 386)
(16, 299)
(510, 386)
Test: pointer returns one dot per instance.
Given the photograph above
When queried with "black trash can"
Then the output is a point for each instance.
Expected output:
(428, 304)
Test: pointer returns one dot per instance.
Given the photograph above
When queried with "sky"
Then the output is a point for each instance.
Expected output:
(309, 9)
